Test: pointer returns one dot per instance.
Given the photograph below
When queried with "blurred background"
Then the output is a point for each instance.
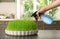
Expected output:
(23, 9)
(13, 9)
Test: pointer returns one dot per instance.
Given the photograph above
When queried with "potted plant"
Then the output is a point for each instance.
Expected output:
(21, 27)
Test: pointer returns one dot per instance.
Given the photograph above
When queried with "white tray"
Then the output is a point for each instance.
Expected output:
(18, 33)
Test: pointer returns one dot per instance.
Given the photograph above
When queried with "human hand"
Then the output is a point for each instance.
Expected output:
(36, 16)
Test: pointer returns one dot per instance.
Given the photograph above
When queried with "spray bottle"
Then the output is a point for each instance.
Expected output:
(44, 17)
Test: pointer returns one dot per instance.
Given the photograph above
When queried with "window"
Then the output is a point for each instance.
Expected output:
(31, 6)
(28, 8)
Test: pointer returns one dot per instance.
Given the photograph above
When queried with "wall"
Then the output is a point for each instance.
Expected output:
(8, 7)
(7, 0)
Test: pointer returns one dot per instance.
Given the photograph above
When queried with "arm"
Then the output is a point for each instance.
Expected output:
(48, 7)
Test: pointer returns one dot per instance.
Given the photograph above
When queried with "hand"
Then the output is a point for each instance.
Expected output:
(36, 16)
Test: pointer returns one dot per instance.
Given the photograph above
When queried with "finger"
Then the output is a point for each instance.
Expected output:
(37, 14)
(37, 19)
